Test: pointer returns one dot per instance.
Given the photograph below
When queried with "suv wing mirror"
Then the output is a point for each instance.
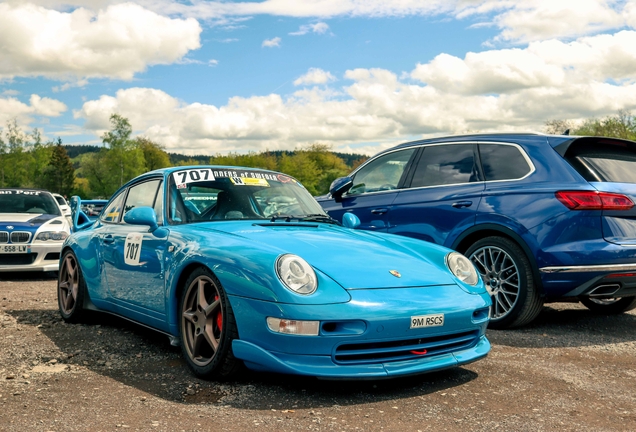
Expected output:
(339, 186)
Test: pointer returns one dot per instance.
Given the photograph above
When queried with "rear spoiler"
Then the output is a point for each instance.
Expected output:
(563, 147)
(78, 217)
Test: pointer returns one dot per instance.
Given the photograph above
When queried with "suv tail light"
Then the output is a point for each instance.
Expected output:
(592, 200)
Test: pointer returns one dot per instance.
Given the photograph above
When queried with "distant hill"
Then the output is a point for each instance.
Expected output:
(77, 150)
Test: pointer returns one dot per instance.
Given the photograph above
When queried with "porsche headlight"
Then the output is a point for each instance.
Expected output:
(52, 235)
(296, 274)
(462, 268)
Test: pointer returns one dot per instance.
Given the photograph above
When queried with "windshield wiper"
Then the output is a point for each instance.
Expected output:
(288, 218)
(318, 217)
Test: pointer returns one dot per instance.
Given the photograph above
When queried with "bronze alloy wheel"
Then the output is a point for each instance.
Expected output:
(207, 327)
(70, 288)
(202, 320)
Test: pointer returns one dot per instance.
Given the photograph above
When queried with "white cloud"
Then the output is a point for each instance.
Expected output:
(319, 28)
(493, 90)
(11, 107)
(540, 19)
(314, 76)
(69, 85)
(115, 42)
(525, 20)
(270, 43)
(542, 64)
(517, 20)
(213, 62)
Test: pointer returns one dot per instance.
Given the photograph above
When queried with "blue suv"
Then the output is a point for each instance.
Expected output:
(544, 218)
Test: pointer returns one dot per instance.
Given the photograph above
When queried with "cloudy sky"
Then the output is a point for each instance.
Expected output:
(207, 77)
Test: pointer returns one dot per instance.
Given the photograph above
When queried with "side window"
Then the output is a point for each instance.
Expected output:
(383, 173)
(142, 195)
(446, 164)
(112, 212)
(503, 162)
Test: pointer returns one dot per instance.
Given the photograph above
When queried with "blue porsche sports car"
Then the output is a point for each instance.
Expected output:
(242, 266)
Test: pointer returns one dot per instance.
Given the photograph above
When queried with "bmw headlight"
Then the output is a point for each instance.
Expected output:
(52, 235)
(296, 274)
(462, 268)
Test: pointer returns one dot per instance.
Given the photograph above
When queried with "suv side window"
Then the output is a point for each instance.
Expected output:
(445, 165)
(503, 162)
(142, 195)
(112, 212)
(381, 174)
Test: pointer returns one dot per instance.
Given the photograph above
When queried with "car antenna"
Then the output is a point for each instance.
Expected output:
(567, 132)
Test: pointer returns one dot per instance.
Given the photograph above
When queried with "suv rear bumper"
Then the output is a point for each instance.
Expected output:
(599, 281)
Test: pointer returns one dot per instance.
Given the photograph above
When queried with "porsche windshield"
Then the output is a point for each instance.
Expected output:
(27, 201)
(209, 194)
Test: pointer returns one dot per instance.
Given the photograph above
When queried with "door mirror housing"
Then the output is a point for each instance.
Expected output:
(350, 220)
(339, 186)
(142, 216)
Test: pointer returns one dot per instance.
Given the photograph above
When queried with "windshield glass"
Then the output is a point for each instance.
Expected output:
(209, 194)
(26, 201)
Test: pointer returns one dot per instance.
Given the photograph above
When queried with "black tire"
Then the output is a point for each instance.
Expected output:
(507, 273)
(71, 289)
(207, 327)
(613, 306)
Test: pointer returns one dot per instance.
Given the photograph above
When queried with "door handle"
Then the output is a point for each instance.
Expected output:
(461, 204)
(108, 239)
(379, 211)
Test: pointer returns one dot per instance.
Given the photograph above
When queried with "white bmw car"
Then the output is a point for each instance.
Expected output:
(32, 230)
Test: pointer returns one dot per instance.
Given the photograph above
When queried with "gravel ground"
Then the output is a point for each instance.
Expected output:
(569, 371)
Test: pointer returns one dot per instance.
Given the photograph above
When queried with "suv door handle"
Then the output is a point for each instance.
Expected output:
(379, 211)
(108, 239)
(461, 204)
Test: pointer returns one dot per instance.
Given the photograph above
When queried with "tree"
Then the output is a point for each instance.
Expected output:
(15, 173)
(621, 125)
(59, 175)
(252, 159)
(558, 127)
(119, 161)
(40, 157)
(154, 155)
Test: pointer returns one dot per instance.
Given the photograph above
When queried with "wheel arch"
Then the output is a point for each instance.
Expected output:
(478, 232)
(178, 288)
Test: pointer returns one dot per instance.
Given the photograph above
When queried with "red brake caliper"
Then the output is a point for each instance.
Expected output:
(219, 317)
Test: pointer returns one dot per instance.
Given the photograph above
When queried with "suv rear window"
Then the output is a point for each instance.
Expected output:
(604, 160)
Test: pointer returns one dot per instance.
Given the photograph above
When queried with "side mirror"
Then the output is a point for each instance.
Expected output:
(78, 217)
(142, 216)
(339, 186)
(350, 220)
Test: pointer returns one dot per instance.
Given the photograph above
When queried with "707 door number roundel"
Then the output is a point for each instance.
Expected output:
(132, 248)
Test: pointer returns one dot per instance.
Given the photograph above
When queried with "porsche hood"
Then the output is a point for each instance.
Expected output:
(354, 259)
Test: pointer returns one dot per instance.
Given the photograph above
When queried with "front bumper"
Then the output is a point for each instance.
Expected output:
(375, 325)
(42, 257)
